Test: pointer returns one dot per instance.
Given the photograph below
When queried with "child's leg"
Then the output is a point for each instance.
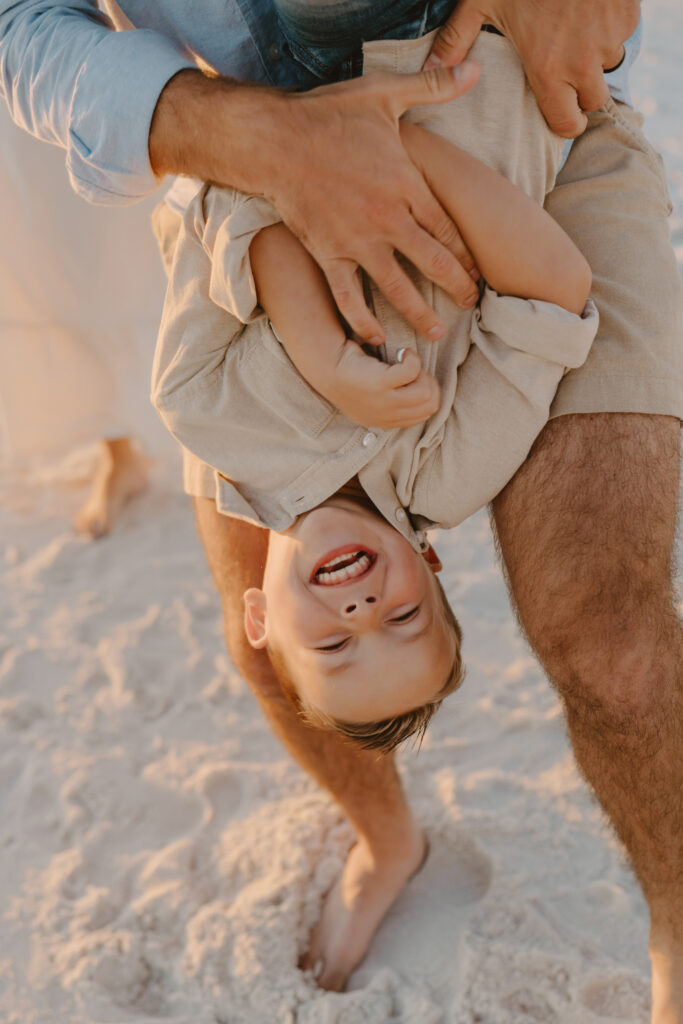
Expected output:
(518, 247)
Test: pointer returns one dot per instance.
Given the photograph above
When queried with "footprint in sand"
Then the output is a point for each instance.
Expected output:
(421, 935)
(620, 996)
(529, 1006)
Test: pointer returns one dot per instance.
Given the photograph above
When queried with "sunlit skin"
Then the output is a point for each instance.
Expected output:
(364, 649)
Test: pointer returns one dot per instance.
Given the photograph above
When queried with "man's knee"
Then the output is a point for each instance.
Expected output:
(614, 652)
(586, 531)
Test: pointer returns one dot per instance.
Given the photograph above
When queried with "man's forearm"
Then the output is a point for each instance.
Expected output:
(218, 130)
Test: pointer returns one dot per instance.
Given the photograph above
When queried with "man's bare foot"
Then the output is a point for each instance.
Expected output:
(355, 906)
(121, 473)
(667, 988)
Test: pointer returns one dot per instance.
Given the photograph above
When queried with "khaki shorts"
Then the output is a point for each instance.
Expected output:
(611, 198)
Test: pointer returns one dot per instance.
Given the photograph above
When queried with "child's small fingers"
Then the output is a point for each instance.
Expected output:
(406, 369)
(412, 416)
(417, 400)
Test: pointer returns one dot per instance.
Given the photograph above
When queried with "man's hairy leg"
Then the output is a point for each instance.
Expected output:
(586, 531)
(390, 846)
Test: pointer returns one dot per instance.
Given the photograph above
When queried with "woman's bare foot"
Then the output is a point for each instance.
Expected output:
(355, 906)
(121, 473)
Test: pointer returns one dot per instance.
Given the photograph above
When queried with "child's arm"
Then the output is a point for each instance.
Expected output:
(518, 247)
(294, 293)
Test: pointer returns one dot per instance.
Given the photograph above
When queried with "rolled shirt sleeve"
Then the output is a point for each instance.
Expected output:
(70, 79)
(532, 343)
(520, 350)
(232, 222)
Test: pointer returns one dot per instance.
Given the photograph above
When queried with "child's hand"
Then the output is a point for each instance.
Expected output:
(377, 394)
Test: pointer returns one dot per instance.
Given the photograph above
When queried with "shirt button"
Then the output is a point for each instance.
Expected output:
(368, 439)
(274, 51)
(400, 514)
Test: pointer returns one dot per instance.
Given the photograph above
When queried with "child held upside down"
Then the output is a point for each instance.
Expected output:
(347, 454)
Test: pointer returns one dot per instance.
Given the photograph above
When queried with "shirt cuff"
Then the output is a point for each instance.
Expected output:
(116, 94)
(232, 284)
(539, 328)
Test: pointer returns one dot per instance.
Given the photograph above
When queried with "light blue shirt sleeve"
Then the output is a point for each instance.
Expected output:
(70, 79)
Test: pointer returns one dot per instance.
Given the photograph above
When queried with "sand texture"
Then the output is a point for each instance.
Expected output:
(162, 859)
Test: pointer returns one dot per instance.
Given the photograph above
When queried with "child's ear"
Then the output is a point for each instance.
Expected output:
(255, 617)
(432, 559)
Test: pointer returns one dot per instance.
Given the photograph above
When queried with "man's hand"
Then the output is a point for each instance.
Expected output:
(565, 45)
(332, 162)
(355, 199)
(377, 394)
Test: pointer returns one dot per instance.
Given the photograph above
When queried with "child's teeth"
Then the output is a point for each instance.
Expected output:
(328, 574)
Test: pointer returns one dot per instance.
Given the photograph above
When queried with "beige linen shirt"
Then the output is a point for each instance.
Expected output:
(232, 397)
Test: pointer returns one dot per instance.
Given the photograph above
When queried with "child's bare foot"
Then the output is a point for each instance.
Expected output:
(121, 473)
(355, 906)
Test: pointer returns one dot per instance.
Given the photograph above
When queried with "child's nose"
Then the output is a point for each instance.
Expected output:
(358, 607)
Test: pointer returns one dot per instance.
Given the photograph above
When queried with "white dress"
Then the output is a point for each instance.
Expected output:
(81, 289)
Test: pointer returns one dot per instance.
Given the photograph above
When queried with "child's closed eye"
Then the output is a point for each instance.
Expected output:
(338, 646)
(407, 616)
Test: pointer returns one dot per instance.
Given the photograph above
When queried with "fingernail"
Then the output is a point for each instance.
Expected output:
(436, 332)
(474, 274)
(319, 968)
(471, 300)
(376, 340)
(432, 62)
(400, 354)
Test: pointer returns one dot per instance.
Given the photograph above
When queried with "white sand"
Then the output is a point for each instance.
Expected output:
(162, 859)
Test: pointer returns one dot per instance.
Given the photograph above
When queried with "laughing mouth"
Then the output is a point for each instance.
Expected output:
(348, 566)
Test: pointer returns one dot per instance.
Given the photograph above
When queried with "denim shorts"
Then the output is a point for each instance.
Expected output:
(327, 40)
(301, 48)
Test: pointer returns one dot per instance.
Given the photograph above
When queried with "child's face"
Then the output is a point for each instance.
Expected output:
(354, 612)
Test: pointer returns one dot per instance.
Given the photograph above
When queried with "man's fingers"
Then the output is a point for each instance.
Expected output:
(436, 85)
(593, 93)
(348, 295)
(440, 266)
(400, 291)
(560, 106)
(433, 218)
(456, 37)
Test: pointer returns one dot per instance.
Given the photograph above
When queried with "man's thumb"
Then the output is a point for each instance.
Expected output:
(438, 85)
(454, 40)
